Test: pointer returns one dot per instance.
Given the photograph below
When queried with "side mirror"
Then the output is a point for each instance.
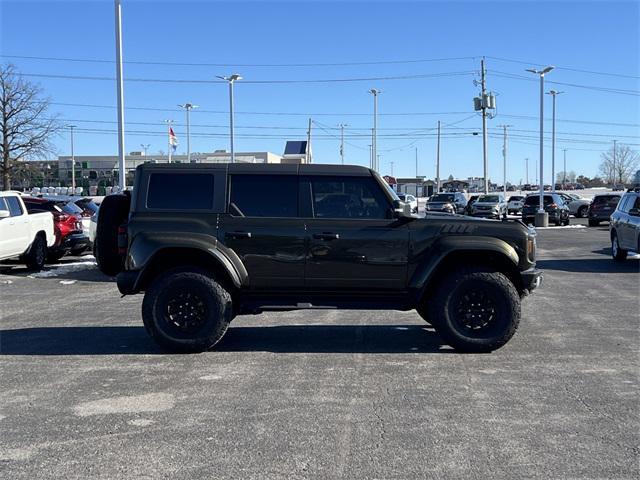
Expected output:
(634, 212)
(5, 214)
(401, 209)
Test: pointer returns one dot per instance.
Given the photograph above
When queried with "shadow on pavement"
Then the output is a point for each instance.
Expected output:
(82, 269)
(590, 265)
(278, 339)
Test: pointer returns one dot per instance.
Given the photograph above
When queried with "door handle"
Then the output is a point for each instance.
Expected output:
(237, 235)
(326, 236)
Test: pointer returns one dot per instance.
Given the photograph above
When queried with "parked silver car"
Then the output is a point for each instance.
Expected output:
(578, 206)
(624, 227)
(491, 206)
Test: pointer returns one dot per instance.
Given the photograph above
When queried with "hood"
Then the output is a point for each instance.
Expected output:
(485, 204)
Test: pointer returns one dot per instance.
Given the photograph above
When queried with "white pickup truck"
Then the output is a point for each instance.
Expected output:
(24, 235)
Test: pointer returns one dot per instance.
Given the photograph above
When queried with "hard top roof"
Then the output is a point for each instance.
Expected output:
(258, 168)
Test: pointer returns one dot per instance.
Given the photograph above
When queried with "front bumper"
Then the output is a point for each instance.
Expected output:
(531, 279)
(486, 214)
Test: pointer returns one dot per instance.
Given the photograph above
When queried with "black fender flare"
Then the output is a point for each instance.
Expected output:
(447, 246)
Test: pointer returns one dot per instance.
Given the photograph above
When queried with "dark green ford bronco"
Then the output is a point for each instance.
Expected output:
(207, 242)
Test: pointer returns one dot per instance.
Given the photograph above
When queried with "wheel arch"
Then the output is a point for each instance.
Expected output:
(210, 260)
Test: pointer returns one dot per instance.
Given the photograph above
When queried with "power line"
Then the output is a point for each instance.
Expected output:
(254, 82)
(200, 64)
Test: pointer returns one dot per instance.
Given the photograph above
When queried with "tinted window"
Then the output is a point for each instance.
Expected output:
(71, 208)
(351, 197)
(14, 206)
(442, 198)
(637, 203)
(3, 204)
(535, 200)
(180, 191)
(33, 207)
(608, 200)
(265, 195)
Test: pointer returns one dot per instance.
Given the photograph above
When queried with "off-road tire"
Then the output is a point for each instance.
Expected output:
(37, 254)
(459, 287)
(211, 299)
(113, 212)
(618, 254)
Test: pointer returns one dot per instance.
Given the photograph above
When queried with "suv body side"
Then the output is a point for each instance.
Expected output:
(624, 224)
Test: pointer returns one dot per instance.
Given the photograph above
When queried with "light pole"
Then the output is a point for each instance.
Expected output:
(614, 163)
(120, 97)
(375, 92)
(231, 79)
(145, 147)
(526, 167)
(188, 107)
(564, 173)
(542, 217)
(438, 161)
(73, 163)
(416, 170)
(392, 162)
(504, 158)
(553, 94)
(342, 125)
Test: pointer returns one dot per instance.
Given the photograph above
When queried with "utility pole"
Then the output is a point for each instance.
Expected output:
(438, 160)
(120, 97)
(526, 167)
(370, 156)
(188, 107)
(484, 128)
(375, 92)
(564, 174)
(392, 162)
(309, 142)
(553, 94)
(416, 169)
(342, 125)
(73, 164)
(614, 162)
(378, 160)
(504, 157)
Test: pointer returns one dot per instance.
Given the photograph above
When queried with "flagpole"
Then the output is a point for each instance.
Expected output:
(169, 122)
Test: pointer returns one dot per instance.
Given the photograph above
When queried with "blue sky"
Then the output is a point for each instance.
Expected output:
(594, 36)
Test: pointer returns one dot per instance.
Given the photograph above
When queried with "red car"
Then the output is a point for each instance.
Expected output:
(68, 228)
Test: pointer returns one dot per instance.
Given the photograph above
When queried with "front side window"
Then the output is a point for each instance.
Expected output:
(348, 197)
(264, 195)
(180, 191)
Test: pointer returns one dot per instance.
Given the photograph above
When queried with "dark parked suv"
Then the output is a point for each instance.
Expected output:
(207, 242)
(624, 228)
(601, 208)
(554, 205)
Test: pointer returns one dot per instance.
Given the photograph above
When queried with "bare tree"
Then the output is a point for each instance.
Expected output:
(618, 168)
(25, 128)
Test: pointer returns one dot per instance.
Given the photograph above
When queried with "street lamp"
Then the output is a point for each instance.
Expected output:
(542, 217)
(231, 79)
(375, 92)
(145, 147)
(553, 93)
(188, 107)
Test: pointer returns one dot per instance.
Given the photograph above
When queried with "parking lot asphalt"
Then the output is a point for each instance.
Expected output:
(324, 394)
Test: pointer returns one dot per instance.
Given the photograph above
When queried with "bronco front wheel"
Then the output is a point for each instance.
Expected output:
(475, 311)
(186, 311)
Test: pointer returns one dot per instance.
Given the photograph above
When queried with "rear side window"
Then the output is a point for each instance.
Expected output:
(348, 197)
(264, 195)
(180, 191)
(14, 206)
(3, 204)
(535, 200)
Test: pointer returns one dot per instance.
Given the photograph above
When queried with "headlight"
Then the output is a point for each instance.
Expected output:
(448, 207)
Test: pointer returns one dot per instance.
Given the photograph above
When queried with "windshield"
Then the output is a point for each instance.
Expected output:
(71, 208)
(489, 198)
(442, 198)
(515, 198)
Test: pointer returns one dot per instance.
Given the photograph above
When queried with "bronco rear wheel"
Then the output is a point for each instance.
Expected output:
(186, 311)
(476, 311)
